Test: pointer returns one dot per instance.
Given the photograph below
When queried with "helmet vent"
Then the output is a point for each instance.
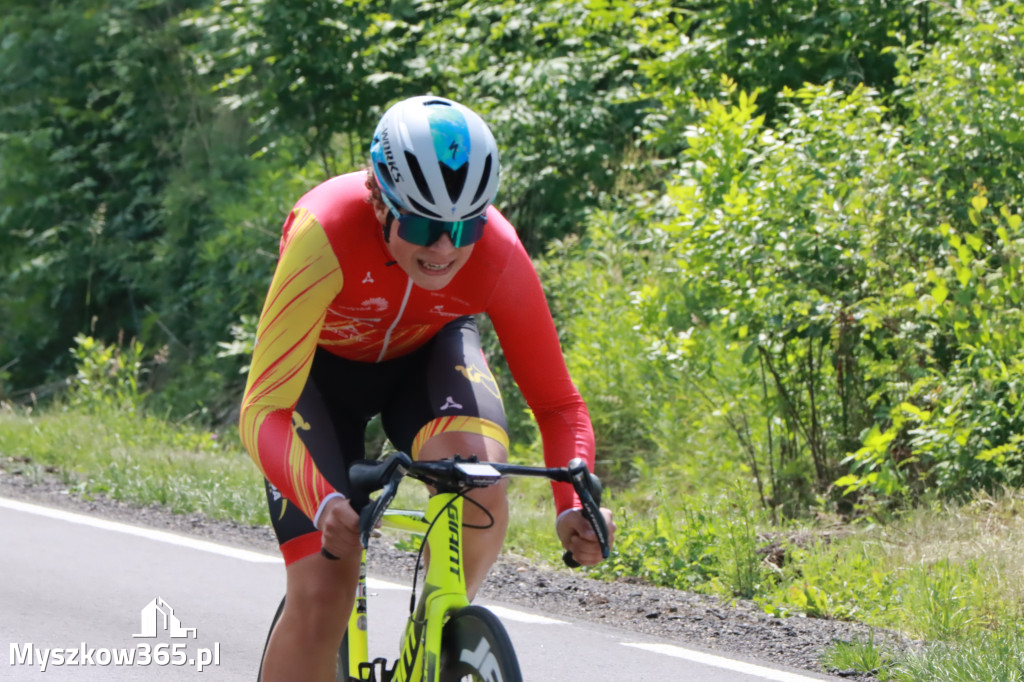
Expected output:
(475, 211)
(420, 209)
(484, 177)
(385, 174)
(454, 180)
(417, 175)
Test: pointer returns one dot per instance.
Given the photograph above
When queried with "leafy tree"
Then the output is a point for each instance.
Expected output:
(557, 81)
(953, 330)
(766, 47)
(311, 69)
(91, 107)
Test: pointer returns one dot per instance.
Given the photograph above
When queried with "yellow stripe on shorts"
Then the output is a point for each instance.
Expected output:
(477, 425)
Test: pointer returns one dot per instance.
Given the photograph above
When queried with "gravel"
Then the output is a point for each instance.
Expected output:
(683, 618)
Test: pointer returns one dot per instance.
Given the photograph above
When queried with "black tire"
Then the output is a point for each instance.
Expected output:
(342, 675)
(475, 646)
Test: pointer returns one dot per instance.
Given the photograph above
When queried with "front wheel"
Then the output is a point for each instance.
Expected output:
(475, 646)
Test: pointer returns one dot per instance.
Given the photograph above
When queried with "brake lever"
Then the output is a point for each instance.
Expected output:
(366, 478)
(373, 512)
(588, 487)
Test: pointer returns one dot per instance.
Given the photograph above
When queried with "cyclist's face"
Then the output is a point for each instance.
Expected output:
(430, 267)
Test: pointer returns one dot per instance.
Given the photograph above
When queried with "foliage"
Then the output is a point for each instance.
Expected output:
(836, 580)
(860, 655)
(557, 82)
(709, 545)
(984, 657)
(99, 111)
(951, 329)
(312, 69)
(796, 244)
(106, 377)
(133, 457)
(770, 47)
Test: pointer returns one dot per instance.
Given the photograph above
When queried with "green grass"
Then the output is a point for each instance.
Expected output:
(864, 655)
(136, 459)
(992, 657)
(946, 575)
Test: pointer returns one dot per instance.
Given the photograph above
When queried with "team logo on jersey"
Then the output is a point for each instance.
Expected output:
(440, 311)
(298, 423)
(450, 404)
(480, 376)
(276, 496)
(376, 303)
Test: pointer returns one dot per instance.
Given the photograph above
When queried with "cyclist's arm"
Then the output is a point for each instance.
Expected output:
(307, 279)
(530, 342)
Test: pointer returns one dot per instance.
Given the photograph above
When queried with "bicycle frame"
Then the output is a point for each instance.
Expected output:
(443, 595)
(444, 591)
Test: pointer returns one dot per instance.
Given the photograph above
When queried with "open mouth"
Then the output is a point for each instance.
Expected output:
(436, 268)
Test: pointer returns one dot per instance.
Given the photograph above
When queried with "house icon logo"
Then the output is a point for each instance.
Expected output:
(158, 616)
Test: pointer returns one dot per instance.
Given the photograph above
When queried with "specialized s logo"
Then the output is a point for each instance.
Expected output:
(480, 376)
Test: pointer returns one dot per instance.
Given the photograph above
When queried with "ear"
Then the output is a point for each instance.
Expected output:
(384, 217)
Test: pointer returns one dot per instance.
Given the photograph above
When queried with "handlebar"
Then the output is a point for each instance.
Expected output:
(458, 474)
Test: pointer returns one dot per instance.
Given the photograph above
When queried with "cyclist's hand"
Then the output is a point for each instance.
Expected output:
(578, 537)
(340, 526)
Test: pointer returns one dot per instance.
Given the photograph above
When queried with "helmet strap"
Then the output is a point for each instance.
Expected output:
(387, 227)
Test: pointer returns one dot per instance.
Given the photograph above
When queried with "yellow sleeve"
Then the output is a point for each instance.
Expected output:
(307, 279)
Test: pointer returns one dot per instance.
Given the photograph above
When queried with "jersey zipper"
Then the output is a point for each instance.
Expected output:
(401, 311)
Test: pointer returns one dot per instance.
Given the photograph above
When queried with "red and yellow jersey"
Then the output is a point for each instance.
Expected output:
(337, 287)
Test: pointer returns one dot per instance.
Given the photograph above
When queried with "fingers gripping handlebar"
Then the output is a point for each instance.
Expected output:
(367, 477)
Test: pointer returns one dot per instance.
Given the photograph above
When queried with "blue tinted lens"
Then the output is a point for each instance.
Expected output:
(425, 231)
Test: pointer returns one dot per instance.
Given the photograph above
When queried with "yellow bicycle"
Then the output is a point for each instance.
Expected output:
(446, 638)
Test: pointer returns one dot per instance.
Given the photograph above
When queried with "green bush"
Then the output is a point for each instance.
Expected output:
(107, 378)
(711, 544)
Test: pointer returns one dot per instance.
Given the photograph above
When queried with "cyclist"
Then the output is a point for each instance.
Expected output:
(370, 311)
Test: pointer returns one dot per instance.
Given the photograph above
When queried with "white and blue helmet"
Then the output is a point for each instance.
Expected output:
(435, 158)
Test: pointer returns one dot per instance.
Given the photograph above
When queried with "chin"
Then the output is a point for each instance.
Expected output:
(433, 283)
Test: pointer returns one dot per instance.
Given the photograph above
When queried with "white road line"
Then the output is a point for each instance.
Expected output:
(500, 611)
(375, 583)
(157, 535)
(719, 662)
(522, 616)
(378, 584)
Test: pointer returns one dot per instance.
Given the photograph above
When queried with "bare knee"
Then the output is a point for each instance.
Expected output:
(489, 506)
(320, 595)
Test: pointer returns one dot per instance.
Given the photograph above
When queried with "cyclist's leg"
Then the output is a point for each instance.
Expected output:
(304, 643)
(320, 593)
(483, 531)
(450, 404)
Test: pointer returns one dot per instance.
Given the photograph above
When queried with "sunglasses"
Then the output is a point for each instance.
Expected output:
(422, 231)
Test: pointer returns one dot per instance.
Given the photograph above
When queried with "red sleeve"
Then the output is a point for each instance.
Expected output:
(530, 342)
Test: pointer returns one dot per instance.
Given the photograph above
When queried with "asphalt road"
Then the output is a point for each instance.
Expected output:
(80, 595)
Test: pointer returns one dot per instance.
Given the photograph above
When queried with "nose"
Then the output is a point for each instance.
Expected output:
(443, 244)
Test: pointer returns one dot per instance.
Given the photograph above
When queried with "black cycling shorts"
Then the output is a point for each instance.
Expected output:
(443, 386)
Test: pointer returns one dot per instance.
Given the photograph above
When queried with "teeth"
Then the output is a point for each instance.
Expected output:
(434, 266)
